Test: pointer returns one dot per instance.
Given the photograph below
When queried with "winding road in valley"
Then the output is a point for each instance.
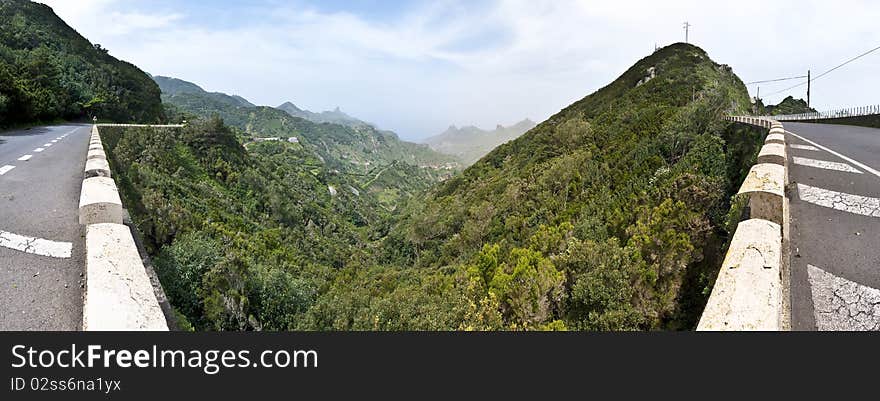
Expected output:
(834, 192)
(41, 240)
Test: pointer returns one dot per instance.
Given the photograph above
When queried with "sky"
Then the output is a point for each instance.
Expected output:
(417, 67)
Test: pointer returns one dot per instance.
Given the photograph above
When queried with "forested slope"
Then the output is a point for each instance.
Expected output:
(49, 72)
(600, 217)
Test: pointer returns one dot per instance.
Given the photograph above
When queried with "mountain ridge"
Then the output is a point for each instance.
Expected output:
(335, 116)
(173, 86)
(470, 143)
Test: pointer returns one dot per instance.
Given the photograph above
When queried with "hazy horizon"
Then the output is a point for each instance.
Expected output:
(417, 67)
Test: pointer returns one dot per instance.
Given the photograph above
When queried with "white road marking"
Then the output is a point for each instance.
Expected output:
(856, 204)
(805, 147)
(38, 150)
(823, 164)
(6, 169)
(36, 246)
(25, 158)
(54, 141)
(841, 304)
(47, 145)
(856, 163)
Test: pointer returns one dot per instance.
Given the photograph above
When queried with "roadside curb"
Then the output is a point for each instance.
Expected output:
(119, 295)
(751, 291)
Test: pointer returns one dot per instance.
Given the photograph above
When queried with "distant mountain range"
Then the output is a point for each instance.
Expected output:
(336, 116)
(391, 168)
(470, 143)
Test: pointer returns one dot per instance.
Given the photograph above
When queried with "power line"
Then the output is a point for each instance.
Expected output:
(829, 71)
(775, 80)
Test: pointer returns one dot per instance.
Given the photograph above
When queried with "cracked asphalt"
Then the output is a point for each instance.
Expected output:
(834, 228)
(39, 199)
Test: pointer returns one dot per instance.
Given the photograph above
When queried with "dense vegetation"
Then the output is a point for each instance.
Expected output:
(243, 239)
(602, 217)
(789, 105)
(50, 72)
(469, 144)
(611, 215)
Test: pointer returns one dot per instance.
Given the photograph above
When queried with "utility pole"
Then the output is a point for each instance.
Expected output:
(687, 27)
(755, 109)
(808, 88)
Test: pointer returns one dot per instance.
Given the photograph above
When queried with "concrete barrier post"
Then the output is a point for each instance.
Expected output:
(118, 295)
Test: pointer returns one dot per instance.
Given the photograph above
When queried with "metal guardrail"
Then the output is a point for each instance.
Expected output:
(837, 113)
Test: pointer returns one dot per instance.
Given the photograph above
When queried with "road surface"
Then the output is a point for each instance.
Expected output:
(834, 195)
(41, 240)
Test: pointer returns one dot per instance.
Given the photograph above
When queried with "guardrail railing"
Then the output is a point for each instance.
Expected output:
(822, 115)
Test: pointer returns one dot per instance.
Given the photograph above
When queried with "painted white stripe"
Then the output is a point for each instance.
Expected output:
(856, 163)
(36, 246)
(855, 204)
(54, 141)
(25, 158)
(38, 150)
(802, 161)
(6, 169)
(47, 145)
(841, 304)
(805, 147)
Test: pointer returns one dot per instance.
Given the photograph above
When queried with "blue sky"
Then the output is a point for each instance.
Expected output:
(416, 67)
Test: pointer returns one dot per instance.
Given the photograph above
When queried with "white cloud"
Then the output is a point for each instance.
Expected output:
(422, 71)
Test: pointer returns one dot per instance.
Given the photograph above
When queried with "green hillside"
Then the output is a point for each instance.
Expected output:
(171, 87)
(789, 105)
(603, 216)
(241, 239)
(49, 72)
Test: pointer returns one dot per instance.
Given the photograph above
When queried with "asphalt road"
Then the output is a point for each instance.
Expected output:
(835, 226)
(41, 240)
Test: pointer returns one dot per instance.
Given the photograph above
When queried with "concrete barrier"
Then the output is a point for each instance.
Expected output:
(775, 138)
(96, 153)
(97, 167)
(773, 153)
(99, 202)
(748, 292)
(118, 295)
(765, 186)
